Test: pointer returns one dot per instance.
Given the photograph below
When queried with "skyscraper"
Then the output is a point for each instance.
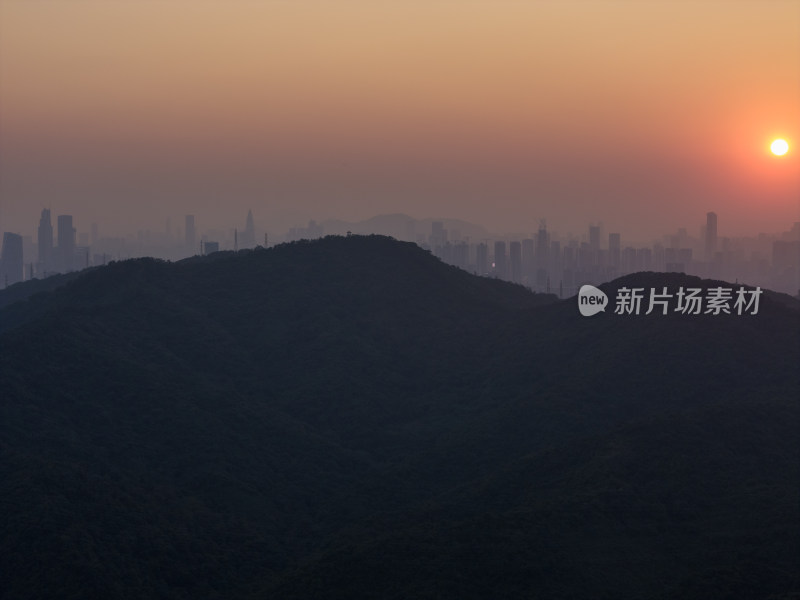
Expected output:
(594, 238)
(438, 234)
(66, 243)
(614, 250)
(554, 261)
(528, 263)
(482, 258)
(461, 255)
(711, 235)
(515, 255)
(542, 247)
(45, 259)
(248, 237)
(190, 234)
(500, 263)
(542, 244)
(11, 260)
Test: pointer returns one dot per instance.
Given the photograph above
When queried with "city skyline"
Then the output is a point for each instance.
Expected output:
(356, 299)
(89, 225)
(642, 115)
(543, 260)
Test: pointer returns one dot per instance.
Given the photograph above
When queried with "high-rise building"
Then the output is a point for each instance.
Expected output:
(786, 254)
(711, 235)
(630, 263)
(438, 234)
(528, 262)
(482, 258)
(515, 256)
(594, 238)
(410, 231)
(190, 234)
(569, 264)
(81, 260)
(248, 237)
(500, 266)
(66, 244)
(614, 245)
(542, 244)
(11, 271)
(460, 256)
(644, 259)
(542, 253)
(554, 260)
(45, 259)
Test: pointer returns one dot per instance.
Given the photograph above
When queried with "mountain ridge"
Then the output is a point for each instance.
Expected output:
(352, 418)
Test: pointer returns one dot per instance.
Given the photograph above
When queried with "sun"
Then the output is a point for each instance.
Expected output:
(779, 147)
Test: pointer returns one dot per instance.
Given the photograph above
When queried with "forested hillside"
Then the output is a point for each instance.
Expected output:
(352, 418)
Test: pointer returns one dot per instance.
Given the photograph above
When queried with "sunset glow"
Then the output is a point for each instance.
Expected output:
(137, 112)
(779, 147)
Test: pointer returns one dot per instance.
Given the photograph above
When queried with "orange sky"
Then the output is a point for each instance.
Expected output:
(642, 115)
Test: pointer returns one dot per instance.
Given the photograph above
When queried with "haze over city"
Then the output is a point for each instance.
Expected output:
(356, 300)
(643, 116)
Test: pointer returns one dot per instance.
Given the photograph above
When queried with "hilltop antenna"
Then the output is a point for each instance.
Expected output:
(235, 240)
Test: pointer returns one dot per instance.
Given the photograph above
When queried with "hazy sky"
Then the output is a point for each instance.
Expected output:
(642, 115)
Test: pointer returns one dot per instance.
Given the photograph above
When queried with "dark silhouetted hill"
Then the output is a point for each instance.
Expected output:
(352, 418)
(24, 290)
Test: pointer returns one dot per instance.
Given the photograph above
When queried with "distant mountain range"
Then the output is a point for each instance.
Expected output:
(403, 227)
(352, 418)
